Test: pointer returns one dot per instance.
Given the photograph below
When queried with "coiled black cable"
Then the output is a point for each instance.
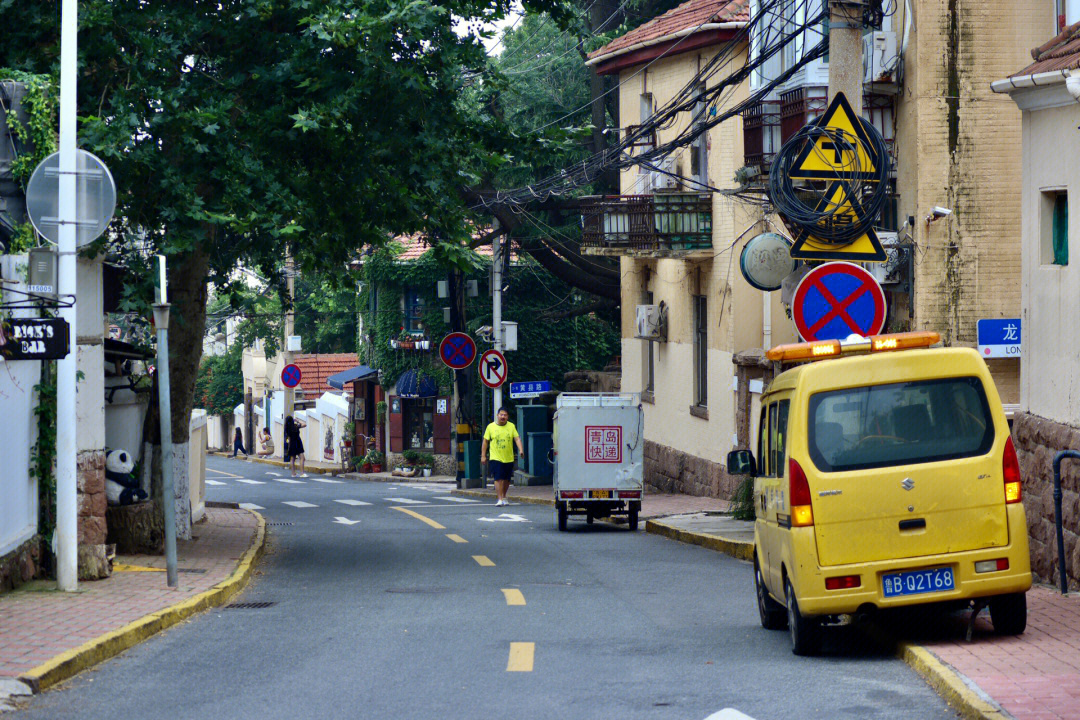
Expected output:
(854, 185)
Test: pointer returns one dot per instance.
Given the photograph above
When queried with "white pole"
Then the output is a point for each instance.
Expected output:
(496, 313)
(67, 548)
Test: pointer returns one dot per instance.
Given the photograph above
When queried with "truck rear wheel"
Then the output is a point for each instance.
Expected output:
(1008, 613)
(563, 514)
(631, 517)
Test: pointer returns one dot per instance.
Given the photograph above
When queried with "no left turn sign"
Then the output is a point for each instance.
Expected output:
(492, 368)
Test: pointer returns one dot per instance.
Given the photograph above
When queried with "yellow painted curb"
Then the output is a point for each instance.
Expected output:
(490, 495)
(734, 548)
(279, 463)
(72, 662)
(949, 684)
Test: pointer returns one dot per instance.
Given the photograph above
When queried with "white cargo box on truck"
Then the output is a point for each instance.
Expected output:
(599, 456)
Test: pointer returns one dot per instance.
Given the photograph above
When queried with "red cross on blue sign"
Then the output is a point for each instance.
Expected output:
(836, 300)
(457, 350)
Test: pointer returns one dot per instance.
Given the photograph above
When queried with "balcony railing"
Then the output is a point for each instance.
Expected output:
(761, 135)
(646, 223)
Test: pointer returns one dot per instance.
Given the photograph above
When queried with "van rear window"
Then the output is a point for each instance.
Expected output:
(899, 424)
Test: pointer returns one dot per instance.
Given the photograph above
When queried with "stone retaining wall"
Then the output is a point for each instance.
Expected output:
(21, 565)
(1037, 441)
(669, 470)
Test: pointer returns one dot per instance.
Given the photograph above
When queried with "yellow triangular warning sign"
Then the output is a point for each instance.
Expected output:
(844, 154)
(840, 208)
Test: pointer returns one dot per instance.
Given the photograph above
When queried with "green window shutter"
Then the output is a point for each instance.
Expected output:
(1061, 229)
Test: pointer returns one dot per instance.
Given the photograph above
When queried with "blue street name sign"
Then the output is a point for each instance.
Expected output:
(531, 389)
(999, 338)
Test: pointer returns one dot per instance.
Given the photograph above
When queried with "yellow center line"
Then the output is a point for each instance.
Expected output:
(223, 473)
(521, 657)
(456, 538)
(420, 517)
(483, 561)
(513, 596)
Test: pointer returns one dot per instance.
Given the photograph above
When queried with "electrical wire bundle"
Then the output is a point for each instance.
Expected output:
(840, 209)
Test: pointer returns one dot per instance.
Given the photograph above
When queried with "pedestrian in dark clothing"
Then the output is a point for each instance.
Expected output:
(238, 443)
(294, 446)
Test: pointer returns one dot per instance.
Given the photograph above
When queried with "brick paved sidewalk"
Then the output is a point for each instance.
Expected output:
(38, 622)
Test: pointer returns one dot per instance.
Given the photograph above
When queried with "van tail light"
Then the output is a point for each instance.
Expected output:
(992, 565)
(845, 582)
(802, 514)
(1010, 471)
(571, 494)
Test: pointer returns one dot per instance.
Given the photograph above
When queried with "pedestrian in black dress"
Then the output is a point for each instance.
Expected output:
(294, 446)
(238, 443)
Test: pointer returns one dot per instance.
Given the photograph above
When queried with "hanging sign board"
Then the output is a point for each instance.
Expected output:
(532, 389)
(33, 339)
(836, 300)
(766, 260)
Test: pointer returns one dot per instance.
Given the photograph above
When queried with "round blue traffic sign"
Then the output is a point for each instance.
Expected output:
(290, 376)
(836, 300)
(457, 350)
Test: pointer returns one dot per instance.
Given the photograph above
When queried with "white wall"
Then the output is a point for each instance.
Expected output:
(18, 428)
(124, 418)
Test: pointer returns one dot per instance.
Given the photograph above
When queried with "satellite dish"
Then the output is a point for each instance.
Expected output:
(766, 260)
(95, 198)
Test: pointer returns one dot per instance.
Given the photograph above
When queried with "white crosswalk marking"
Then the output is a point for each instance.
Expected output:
(299, 504)
(275, 474)
(328, 480)
(352, 502)
(291, 482)
(251, 482)
(406, 501)
(454, 499)
(251, 506)
(214, 482)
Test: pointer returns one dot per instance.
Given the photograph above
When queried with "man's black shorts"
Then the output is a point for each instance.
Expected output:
(501, 470)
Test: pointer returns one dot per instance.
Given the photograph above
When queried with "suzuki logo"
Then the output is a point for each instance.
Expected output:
(908, 484)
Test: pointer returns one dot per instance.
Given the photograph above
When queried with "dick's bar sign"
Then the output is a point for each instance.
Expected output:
(33, 339)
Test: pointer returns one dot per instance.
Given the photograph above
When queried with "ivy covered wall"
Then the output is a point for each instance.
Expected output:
(547, 347)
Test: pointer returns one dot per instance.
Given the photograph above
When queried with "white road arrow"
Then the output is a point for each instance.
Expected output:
(345, 521)
(505, 517)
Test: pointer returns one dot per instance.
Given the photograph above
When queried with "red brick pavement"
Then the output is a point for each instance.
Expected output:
(36, 625)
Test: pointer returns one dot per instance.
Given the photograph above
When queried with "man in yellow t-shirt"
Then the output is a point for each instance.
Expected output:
(500, 437)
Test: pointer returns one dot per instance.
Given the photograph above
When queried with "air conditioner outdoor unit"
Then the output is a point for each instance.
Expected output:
(879, 57)
(651, 322)
(668, 179)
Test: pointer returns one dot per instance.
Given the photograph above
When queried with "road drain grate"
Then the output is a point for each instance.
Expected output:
(191, 570)
(279, 523)
(250, 605)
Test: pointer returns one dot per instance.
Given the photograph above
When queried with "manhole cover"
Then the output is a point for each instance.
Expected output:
(419, 590)
(250, 605)
(278, 524)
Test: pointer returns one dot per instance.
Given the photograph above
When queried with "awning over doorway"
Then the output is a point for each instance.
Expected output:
(360, 372)
(414, 384)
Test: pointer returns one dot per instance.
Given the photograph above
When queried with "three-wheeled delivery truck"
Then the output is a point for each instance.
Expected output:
(599, 456)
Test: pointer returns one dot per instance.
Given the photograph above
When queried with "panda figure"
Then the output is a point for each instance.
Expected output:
(121, 485)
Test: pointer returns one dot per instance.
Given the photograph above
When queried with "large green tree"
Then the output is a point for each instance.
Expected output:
(242, 130)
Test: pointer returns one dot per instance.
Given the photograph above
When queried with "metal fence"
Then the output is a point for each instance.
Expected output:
(664, 221)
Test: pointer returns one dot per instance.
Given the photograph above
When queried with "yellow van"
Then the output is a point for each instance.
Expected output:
(884, 476)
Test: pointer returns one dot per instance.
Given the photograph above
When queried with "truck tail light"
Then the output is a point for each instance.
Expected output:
(631, 494)
(802, 514)
(1010, 471)
(572, 494)
(992, 565)
(843, 583)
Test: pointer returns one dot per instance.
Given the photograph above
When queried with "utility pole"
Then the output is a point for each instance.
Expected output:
(846, 50)
(496, 306)
(290, 317)
(67, 524)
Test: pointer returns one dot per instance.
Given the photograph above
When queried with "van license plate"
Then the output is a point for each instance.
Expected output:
(601, 493)
(915, 582)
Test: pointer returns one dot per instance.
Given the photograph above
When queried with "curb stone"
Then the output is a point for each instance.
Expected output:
(277, 463)
(103, 647)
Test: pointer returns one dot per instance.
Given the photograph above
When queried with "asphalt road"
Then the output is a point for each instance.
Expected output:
(377, 614)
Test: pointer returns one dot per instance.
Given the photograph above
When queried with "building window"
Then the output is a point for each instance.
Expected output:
(414, 311)
(699, 152)
(701, 350)
(1054, 227)
(419, 423)
(649, 379)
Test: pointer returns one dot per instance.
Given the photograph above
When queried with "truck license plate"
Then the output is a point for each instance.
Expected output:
(915, 582)
(601, 494)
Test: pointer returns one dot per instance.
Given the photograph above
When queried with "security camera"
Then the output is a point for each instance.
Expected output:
(938, 212)
(1072, 84)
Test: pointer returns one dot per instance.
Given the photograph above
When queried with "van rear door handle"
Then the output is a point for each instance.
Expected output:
(913, 524)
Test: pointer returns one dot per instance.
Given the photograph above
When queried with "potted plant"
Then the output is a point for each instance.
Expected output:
(376, 460)
(361, 464)
(411, 457)
(380, 410)
(427, 461)
(405, 340)
(350, 433)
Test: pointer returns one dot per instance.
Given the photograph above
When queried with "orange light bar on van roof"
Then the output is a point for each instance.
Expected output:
(853, 344)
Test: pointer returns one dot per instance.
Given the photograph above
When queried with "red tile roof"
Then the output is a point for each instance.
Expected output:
(413, 247)
(1061, 53)
(689, 15)
(315, 368)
